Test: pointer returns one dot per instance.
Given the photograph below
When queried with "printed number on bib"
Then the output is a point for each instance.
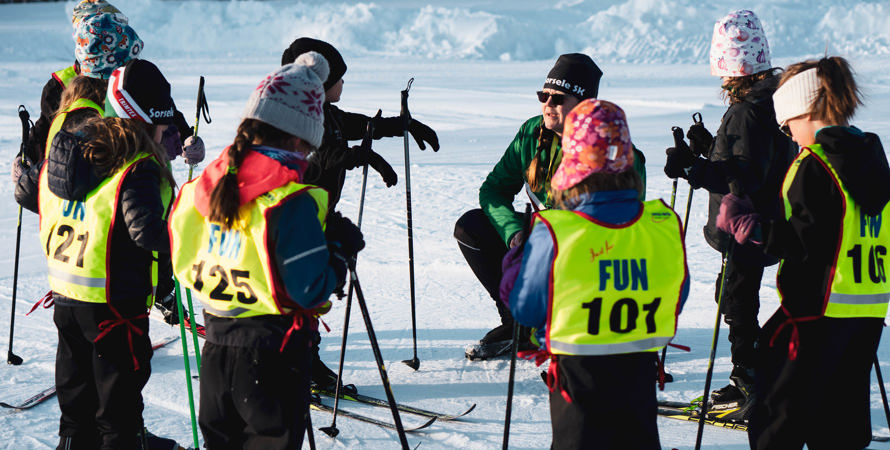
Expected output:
(63, 252)
(624, 315)
(238, 278)
(875, 263)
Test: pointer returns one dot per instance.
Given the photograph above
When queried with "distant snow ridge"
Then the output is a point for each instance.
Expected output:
(636, 31)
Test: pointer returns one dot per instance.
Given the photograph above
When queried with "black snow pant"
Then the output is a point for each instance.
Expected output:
(99, 390)
(820, 399)
(740, 306)
(613, 404)
(484, 250)
(255, 398)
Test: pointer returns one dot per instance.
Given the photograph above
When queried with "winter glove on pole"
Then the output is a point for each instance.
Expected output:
(393, 126)
(737, 217)
(20, 164)
(679, 157)
(344, 235)
(193, 150)
(700, 139)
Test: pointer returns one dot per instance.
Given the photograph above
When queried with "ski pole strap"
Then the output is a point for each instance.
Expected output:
(106, 326)
(202, 106)
(46, 301)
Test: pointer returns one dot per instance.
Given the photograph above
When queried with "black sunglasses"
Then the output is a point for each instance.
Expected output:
(786, 129)
(555, 99)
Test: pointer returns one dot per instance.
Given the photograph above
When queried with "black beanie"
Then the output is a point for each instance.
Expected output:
(305, 44)
(138, 90)
(576, 74)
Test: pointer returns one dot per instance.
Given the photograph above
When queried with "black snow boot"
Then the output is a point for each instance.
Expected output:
(325, 379)
(497, 342)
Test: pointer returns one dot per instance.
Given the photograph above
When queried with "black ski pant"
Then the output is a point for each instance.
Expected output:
(613, 404)
(821, 398)
(255, 398)
(99, 391)
(740, 306)
(484, 250)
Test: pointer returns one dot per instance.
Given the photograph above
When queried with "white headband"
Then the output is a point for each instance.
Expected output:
(796, 96)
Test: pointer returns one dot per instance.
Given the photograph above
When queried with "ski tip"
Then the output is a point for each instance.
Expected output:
(424, 425)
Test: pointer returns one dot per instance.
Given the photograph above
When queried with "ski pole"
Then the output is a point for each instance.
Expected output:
(332, 430)
(727, 255)
(202, 107)
(696, 119)
(883, 390)
(310, 435)
(378, 357)
(414, 362)
(188, 372)
(514, 347)
(12, 358)
(678, 135)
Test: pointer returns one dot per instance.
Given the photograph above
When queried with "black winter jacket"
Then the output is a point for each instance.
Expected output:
(807, 242)
(751, 153)
(139, 227)
(328, 165)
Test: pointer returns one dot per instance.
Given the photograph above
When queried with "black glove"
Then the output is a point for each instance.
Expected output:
(679, 160)
(392, 126)
(700, 139)
(383, 168)
(344, 235)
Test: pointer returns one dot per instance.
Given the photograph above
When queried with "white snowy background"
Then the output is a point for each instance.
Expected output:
(476, 66)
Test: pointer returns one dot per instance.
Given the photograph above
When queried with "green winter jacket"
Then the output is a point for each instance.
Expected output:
(508, 176)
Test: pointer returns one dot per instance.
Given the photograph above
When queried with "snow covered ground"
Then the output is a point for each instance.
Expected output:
(476, 66)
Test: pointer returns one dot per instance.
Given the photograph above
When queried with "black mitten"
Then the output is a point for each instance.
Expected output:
(422, 133)
(700, 139)
(393, 126)
(383, 168)
(344, 235)
(679, 160)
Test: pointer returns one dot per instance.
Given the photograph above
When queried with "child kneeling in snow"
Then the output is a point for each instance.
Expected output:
(603, 278)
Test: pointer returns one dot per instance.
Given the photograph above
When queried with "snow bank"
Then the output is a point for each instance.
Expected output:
(631, 31)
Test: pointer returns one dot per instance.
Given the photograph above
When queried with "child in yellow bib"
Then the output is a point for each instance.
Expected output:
(602, 278)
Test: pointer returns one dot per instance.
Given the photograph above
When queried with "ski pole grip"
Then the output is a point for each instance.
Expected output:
(404, 113)
(26, 120)
(678, 136)
(201, 103)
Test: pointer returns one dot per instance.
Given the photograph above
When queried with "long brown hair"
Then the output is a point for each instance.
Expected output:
(225, 197)
(80, 86)
(596, 182)
(115, 141)
(736, 89)
(536, 173)
(838, 95)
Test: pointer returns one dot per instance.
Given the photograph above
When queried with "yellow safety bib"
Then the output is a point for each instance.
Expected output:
(231, 271)
(59, 120)
(859, 285)
(615, 289)
(75, 236)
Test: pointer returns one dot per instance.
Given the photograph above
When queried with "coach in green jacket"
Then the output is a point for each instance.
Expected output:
(484, 235)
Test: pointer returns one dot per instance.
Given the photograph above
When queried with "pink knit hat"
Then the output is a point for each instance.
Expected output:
(738, 46)
(595, 138)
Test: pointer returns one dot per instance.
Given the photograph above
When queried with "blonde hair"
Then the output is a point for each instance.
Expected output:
(80, 86)
(114, 141)
(838, 95)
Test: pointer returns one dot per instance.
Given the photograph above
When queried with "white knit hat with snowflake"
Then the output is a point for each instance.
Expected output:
(291, 98)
